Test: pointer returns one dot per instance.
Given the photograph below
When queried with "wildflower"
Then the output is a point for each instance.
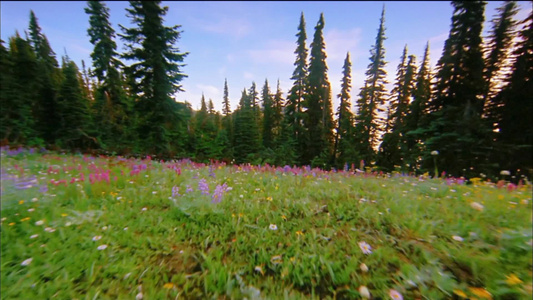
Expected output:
(139, 296)
(434, 152)
(26, 262)
(480, 292)
(460, 293)
(34, 200)
(144, 209)
(21, 202)
(512, 280)
(364, 292)
(68, 224)
(39, 223)
(31, 209)
(457, 238)
(34, 236)
(24, 219)
(189, 189)
(276, 259)
(168, 285)
(273, 227)
(11, 224)
(49, 229)
(476, 206)
(203, 186)
(64, 215)
(101, 247)
(96, 238)
(219, 192)
(259, 269)
(284, 217)
(104, 228)
(394, 294)
(154, 192)
(505, 173)
(3, 219)
(365, 247)
(363, 267)
(125, 228)
(269, 198)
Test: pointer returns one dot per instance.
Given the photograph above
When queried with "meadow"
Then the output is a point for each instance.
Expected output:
(82, 227)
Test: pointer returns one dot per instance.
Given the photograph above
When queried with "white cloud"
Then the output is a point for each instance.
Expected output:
(338, 42)
(237, 28)
(209, 91)
(275, 51)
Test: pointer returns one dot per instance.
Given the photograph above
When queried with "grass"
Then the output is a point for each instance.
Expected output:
(277, 233)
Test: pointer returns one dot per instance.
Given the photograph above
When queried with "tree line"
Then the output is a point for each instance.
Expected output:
(475, 108)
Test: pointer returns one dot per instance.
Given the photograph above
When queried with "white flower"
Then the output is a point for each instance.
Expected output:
(104, 228)
(31, 209)
(101, 247)
(505, 173)
(144, 209)
(394, 294)
(68, 224)
(154, 192)
(139, 296)
(364, 292)
(34, 236)
(96, 238)
(34, 200)
(26, 262)
(365, 247)
(118, 198)
(3, 219)
(125, 228)
(457, 238)
(49, 229)
(273, 227)
(39, 223)
(363, 267)
(434, 152)
(476, 206)
(241, 196)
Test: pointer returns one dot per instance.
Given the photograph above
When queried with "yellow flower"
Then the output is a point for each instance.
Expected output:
(512, 280)
(284, 218)
(480, 292)
(269, 198)
(259, 269)
(460, 293)
(233, 215)
(299, 232)
(64, 215)
(25, 219)
(168, 285)
(21, 202)
(11, 224)
(241, 215)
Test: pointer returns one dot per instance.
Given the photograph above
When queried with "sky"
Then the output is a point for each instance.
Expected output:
(249, 42)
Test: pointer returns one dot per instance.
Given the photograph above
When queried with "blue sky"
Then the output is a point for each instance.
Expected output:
(254, 41)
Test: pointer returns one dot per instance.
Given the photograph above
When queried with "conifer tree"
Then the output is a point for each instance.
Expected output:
(268, 117)
(293, 107)
(515, 130)
(372, 98)
(344, 146)
(225, 135)
(155, 75)
(48, 79)
(247, 141)
(318, 110)
(456, 129)
(277, 115)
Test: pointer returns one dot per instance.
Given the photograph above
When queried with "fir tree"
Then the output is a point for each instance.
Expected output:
(247, 141)
(344, 147)
(48, 80)
(318, 111)
(155, 74)
(456, 130)
(372, 98)
(268, 117)
(277, 115)
(225, 135)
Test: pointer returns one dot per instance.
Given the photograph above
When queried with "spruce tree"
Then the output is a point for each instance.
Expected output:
(247, 141)
(344, 146)
(277, 115)
(456, 129)
(225, 135)
(48, 80)
(372, 99)
(293, 115)
(268, 117)
(155, 75)
(515, 131)
(318, 110)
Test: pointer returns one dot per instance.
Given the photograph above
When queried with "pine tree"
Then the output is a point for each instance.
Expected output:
(225, 135)
(515, 130)
(372, 98)
(293, 115)
(268, 117)
(318, 111)
(73, 110)
(277, 115)
(48, 80)
(344, 146)
(247, 141)
(456, 129)
(155, 75)
(110, 101)
(20, 92)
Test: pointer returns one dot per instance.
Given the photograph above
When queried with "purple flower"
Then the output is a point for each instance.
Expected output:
(219, 192)
(203, 186)
(175, 192)
(189, 189)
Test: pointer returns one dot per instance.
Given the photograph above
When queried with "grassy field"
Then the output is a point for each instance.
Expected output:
(80, 227)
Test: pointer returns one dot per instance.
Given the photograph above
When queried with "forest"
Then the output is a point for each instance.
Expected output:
(470, 116)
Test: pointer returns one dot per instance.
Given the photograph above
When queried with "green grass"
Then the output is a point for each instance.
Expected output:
(190, 248)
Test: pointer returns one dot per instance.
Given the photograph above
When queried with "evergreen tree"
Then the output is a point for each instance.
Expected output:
(277, 115)
(73, 111)
(293, 107)
(456, 130)
(344, 147)
(515, 130)
(372, 98)
(268, 117)
(48, 79)
(110, 101)
(318, 111)
(225, 135)
(155, 75)
(416, 119)
(19, 72)
(247, 141)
